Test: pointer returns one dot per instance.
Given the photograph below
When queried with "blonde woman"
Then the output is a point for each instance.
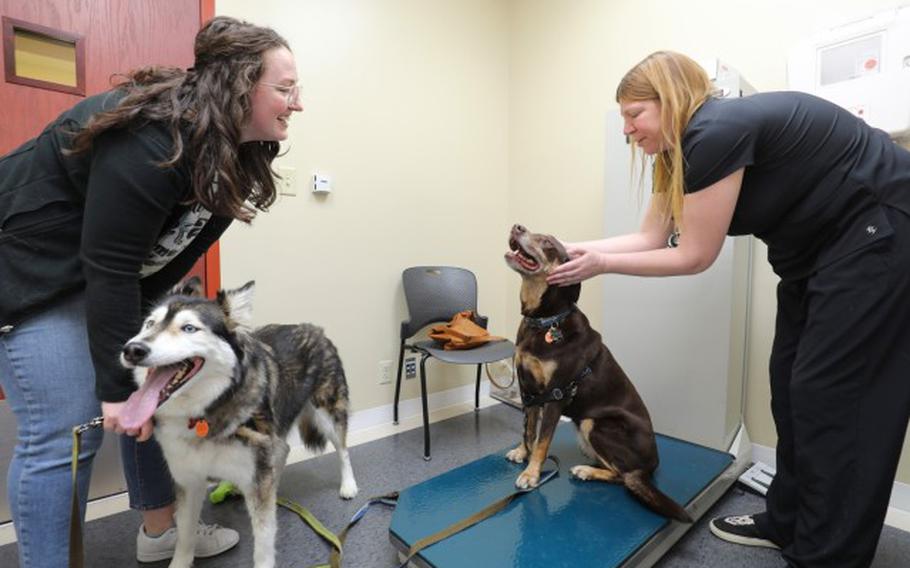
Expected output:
(830, 196)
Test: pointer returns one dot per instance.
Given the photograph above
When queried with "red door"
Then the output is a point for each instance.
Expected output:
(119, 35)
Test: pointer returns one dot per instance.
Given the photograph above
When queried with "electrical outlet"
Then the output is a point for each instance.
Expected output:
(410, 367)
(385, 372)
(287, 184)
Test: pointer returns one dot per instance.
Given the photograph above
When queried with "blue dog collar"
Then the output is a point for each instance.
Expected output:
(548, 322)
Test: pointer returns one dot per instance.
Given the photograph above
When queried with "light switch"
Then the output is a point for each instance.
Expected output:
(287, 184)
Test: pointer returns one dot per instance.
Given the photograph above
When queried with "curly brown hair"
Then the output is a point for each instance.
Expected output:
(204, 108)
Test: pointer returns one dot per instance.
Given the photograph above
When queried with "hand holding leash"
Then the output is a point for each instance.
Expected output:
(111, 411)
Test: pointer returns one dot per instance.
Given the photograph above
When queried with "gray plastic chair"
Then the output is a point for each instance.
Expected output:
(435, 294)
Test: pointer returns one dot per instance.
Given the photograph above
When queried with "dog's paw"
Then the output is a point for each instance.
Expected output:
(348, 489)
(527, 480)
(518, 455)
(583, 472)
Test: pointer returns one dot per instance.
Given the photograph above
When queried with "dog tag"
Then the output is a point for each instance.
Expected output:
(553, 335)
(201, 426)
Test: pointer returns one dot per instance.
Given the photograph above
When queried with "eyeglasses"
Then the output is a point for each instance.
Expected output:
(291, 92)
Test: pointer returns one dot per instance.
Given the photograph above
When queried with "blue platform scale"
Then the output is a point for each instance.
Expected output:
(567, 522)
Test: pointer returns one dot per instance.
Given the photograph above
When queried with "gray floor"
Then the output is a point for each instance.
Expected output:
(394, 463)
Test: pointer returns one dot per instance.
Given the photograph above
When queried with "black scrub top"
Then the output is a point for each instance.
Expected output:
(816, 178)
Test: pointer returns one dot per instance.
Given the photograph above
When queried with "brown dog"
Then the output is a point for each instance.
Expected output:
(565, 369)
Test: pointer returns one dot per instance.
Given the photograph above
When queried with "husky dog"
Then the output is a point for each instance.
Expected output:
(224, 399)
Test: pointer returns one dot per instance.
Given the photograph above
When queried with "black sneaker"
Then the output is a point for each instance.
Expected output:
(740, 529)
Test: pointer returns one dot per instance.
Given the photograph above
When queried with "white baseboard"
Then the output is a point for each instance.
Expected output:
(375, 423)
(364, 426)
(898, 509)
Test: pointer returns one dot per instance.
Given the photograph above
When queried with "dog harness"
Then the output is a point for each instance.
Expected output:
(556, 394)
(554, 335)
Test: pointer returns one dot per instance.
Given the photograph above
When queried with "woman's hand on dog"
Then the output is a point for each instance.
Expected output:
(584, 264)
(111, 412)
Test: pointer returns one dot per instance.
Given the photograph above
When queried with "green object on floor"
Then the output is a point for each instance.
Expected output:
(224, 490)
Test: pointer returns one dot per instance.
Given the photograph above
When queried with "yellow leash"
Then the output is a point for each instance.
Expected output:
(77, 554)
(391, 499)
(477, 517)
(337, 542)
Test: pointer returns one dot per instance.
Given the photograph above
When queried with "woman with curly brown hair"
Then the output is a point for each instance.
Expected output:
(830, 196)
(105, 210)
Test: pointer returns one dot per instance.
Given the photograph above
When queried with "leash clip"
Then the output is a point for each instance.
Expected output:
(95, 422)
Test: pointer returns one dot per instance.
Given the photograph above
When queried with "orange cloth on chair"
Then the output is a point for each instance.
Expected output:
(461, 333)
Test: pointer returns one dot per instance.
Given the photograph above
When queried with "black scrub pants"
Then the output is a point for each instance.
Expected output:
(840, 388)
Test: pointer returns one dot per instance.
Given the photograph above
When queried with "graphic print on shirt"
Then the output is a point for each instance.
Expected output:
(175, 239)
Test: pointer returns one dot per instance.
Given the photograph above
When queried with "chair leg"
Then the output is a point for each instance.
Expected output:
(426, 413)
(398, 383)
(477, 389)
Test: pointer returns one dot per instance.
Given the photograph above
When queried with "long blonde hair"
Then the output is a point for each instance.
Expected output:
(681, 86)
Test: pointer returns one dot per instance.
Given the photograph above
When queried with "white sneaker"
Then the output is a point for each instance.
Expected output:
(211, 540)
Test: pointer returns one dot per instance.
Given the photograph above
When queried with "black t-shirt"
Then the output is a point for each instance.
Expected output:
(815, 178)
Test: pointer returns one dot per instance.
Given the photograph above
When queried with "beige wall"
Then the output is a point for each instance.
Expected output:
(442, 122)
(406, 110)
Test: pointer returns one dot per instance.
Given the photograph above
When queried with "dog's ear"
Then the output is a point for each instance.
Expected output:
(189, 287)
(238, 303)
(560, 249)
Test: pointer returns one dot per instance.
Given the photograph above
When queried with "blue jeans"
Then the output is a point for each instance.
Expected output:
(47, 375)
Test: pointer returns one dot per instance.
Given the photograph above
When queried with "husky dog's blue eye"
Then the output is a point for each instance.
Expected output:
(189, 328)
(148, 324)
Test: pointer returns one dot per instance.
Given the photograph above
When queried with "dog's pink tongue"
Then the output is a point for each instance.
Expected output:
(141, 405)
